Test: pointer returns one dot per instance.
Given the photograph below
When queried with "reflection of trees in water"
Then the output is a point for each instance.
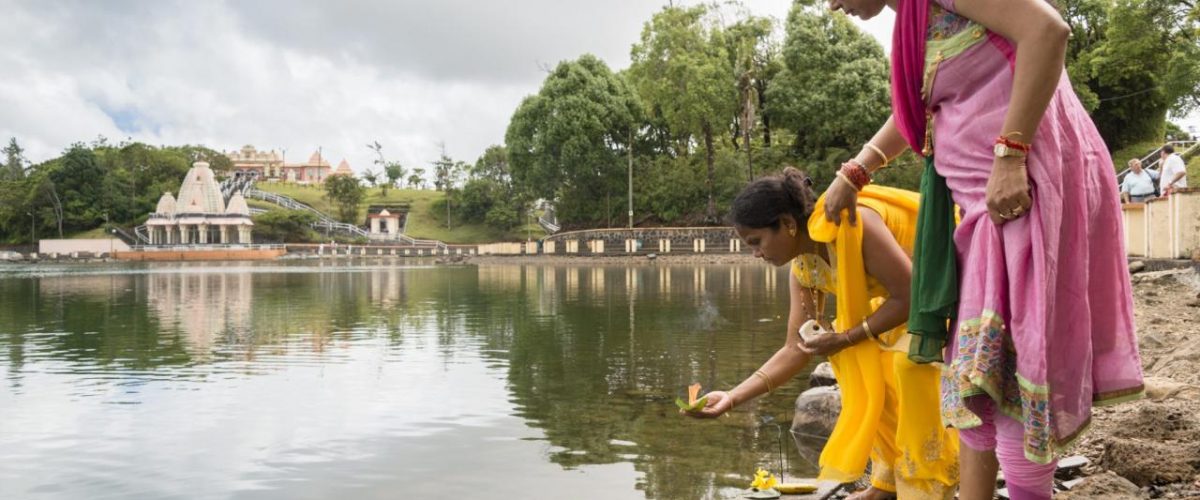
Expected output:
(601, 372)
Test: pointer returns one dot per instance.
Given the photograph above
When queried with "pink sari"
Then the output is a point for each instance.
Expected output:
(1045, 320)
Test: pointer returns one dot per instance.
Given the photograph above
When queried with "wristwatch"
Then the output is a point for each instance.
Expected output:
(1007, 147)
(1002, 150)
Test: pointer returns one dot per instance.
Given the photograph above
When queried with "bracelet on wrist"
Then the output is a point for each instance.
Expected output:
(878, 152)
(856, 173)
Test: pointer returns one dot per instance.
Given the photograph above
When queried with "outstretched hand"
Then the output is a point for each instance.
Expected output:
(718, 403)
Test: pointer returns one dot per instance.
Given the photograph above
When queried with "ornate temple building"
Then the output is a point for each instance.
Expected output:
(200, 215)
(271, 166)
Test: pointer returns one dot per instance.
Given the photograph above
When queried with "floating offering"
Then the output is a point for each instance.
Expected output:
(795, 488)
(692, 403)
(763, 486)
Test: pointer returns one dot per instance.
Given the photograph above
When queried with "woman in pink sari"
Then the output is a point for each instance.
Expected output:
(1027, 300)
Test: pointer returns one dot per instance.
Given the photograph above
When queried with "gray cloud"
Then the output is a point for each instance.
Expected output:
(298, 75)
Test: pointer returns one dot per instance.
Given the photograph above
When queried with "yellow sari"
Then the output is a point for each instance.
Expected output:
(890, 406)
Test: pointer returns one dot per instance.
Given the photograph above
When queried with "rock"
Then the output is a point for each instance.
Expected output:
(1106, 485)
(1069, 467)
(1158, 389)
(1146, 463)
(1136, 266)
(817, 411)
(822, 376)
(11, 256)
(652, 256)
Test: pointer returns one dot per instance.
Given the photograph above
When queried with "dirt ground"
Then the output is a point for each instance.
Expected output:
(1154, 442)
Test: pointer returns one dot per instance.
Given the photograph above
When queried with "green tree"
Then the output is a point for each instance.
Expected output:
(1133, 62)
(79, 185)
(754, 56)
(682, 71)
(371, 177)
(417, 179)
(346, 193)
(279, 225)
(489, 195)
(392, 171)
(567, 142)
(14, 164)
(833, 90)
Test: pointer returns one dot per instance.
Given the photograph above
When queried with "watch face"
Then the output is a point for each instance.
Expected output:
(1000, 150)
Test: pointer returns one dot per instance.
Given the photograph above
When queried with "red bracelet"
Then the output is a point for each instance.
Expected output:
(856, 173)
(1013, 144)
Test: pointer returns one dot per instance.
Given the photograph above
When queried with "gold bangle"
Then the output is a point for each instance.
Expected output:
(879, 152)
(847, 180)
(765, 378)
(867, 328)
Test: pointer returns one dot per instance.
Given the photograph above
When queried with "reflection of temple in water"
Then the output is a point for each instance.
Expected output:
(202, 305)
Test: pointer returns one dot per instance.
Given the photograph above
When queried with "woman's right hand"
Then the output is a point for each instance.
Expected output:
(841, 196)
(717, 404)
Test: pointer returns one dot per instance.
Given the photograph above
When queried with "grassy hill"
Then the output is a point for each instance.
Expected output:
(422, 222)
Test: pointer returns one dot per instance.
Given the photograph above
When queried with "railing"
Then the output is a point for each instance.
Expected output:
(140, 235)
(550, 227)
(214, 246)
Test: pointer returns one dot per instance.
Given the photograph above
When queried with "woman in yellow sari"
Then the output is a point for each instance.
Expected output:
(890, 406)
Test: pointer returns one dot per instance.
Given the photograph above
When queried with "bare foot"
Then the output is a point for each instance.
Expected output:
(872, 493)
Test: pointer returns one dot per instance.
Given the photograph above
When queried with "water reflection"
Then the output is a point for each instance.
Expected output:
(316, 376)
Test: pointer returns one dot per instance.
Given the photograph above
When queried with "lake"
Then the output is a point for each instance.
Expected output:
(386, 379)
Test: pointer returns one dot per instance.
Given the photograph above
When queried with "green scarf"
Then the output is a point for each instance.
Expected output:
(935, 270)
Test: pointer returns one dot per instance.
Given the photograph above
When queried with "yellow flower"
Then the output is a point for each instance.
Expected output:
(763, 480)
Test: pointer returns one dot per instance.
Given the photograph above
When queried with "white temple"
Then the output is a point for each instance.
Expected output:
(200, 215)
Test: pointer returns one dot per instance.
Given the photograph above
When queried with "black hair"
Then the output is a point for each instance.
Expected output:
(1168, 149)
(767, 198)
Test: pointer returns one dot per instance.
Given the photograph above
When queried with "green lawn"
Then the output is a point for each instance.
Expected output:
(91, 234)
(422, 222)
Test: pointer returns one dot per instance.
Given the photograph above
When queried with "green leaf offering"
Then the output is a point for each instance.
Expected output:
(692, 404)
(697, 406)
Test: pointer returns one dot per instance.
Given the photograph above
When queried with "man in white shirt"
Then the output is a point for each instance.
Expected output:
(1174, 172)
(1138, 186)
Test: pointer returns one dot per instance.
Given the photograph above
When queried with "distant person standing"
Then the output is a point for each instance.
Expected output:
(1174, 173)
(1138, 185)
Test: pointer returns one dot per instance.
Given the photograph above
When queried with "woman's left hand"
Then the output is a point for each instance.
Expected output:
(825, 345)
(1008, 196)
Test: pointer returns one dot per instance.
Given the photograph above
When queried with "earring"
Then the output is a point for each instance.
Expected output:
(792, 232)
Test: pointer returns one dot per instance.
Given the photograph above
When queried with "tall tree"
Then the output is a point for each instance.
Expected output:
(682, 70)
(566, 142)
(754, 56)
(14, 161)
(392, 171)
(833, 90)
(346, 192)
(1133, 62)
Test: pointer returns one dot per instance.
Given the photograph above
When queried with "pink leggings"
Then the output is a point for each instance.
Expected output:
(1024, 479)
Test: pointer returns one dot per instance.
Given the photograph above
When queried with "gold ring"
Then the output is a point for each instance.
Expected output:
(1018, 211)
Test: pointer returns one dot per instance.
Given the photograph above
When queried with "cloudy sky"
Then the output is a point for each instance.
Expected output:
(295, 75)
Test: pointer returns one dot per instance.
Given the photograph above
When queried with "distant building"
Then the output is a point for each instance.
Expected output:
(386, 222)
(271, 166)
(200, 215)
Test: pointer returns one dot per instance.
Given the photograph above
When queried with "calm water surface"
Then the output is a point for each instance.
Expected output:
(383, 379)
